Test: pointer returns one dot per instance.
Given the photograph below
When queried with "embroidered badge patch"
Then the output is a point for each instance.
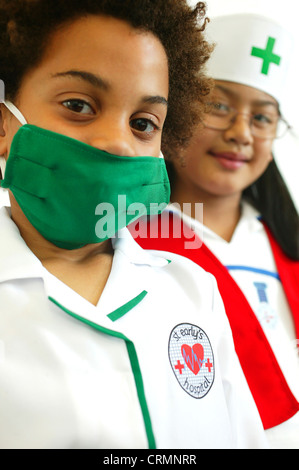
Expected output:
(265, 313)
(192, 360)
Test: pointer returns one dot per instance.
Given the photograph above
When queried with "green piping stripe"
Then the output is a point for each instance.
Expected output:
(135, 368)
(141, 394)
(121, 311)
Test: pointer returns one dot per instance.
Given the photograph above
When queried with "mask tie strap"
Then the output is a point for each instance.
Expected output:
(19, 116)
(2, 166)
(14, 110)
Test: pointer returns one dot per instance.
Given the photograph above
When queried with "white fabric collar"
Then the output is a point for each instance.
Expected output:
(18, 262)
(249, 218)
(125, 243)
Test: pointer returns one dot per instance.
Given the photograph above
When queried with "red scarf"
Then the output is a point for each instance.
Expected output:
(272, 395)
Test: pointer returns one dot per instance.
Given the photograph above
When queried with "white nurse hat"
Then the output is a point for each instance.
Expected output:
(252, 50)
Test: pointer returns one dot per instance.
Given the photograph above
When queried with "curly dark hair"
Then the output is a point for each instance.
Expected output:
(26, 25)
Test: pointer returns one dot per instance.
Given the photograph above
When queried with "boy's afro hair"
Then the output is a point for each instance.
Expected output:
(26, 25)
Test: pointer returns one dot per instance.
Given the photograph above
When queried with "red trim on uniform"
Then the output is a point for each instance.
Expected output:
(289, 274)
(272, 395)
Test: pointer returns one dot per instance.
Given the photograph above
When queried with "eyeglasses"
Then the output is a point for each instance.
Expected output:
(264, 124)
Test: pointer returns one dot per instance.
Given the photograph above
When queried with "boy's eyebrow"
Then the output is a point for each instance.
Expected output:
(93, 79)
(97, 81)
(155, 100)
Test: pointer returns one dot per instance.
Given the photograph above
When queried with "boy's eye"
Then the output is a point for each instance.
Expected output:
(78, 106)
(143, 125)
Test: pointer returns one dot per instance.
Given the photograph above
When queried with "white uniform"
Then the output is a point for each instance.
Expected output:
(151, 365)
(250, 261)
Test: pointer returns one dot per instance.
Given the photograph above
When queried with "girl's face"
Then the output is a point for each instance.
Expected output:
(224, 163)
(101, 82)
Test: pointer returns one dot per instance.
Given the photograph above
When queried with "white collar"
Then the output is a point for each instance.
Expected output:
(125, 243)
(249, 220)
(18, 262)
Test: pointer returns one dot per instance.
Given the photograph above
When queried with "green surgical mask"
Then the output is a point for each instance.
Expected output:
(75, 194)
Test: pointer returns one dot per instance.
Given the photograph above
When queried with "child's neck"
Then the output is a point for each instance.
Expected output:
(221, 214)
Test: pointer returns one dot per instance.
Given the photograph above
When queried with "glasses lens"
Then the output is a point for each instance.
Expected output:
(282, 128)
(267, 125)
(218, 116)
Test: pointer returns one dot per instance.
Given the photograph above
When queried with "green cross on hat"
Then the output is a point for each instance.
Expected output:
(266, 55)
(250, 49)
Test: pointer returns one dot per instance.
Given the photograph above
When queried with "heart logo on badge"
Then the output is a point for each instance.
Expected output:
(193, 357)
(192, 360)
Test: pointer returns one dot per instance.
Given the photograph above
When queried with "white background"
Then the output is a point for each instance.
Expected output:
(286, 12)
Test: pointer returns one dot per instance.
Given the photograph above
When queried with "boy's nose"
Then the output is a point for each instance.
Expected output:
(115, 138)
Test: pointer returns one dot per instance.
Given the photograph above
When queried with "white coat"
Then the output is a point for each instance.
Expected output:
(250, 261)
(152, 365)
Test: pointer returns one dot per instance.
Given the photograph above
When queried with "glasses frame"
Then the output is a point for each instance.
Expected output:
(251, 116)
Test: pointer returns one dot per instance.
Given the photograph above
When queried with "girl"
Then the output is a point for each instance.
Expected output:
(102, 344)
(250, 225)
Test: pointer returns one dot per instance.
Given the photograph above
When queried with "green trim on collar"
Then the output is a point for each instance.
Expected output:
(121, 311)
(135, 369)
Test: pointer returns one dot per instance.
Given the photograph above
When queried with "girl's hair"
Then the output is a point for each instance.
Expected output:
(270, 196)
(26, 27)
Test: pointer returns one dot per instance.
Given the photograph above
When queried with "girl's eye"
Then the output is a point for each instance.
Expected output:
(264, 121)
(263, 118)
(143, 125)
(78, 106)
(219, 108)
